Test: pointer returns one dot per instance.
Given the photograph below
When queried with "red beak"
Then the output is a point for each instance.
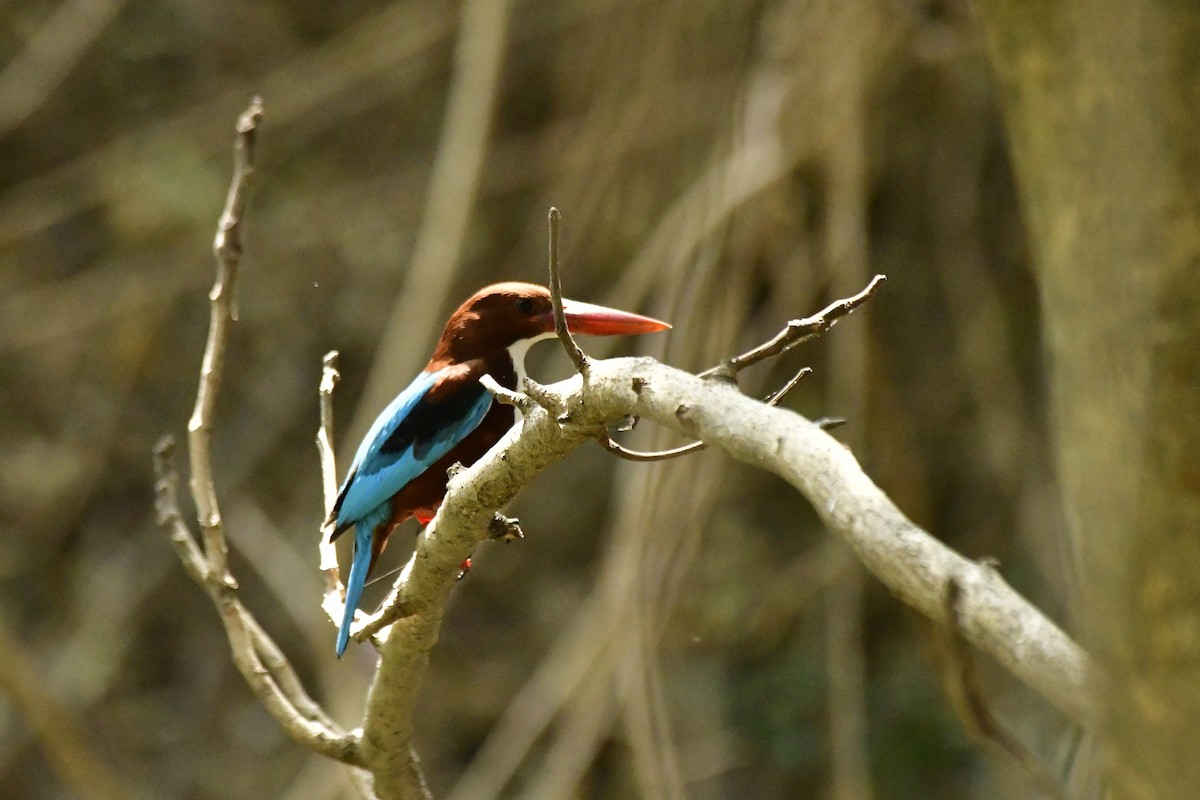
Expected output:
(596, 320)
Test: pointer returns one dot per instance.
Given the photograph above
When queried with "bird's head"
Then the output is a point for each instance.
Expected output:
(506, 314)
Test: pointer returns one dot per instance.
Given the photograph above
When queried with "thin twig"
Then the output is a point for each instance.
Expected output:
(227, 248)
(329, 379)
(966, 695)
(273, 682)
(618, 449)
(556, 298)
(797, 331)
(333, 601)
(542, 396)
(505, 529)
(522, 402)
(644, 456)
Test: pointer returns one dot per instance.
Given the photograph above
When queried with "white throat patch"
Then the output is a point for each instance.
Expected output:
(517, 351)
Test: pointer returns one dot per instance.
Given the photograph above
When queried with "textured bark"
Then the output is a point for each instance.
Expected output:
(1101, 99)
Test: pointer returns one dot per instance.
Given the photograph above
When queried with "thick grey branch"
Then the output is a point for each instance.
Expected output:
(910, 561)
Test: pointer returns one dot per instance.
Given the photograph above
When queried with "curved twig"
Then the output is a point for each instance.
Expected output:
(617, 449)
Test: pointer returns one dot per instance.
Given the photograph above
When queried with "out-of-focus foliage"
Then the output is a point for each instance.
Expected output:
(723, 165)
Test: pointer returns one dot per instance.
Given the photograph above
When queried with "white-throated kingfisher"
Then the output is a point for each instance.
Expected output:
(447, 416)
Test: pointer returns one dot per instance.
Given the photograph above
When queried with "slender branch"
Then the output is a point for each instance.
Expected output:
(333, 600)
(259, 659)
(644, 456)
(967, 697)
(794, 333)
(227, 248)
(329, 379)
(274, 683)
(546, 399)
(556, 298)
(798, 331)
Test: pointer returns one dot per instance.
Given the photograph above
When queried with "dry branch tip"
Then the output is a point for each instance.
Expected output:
(573, 351)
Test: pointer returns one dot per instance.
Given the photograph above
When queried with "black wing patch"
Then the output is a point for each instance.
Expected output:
(427, 423)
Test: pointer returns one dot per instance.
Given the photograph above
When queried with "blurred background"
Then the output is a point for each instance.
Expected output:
(684, 629)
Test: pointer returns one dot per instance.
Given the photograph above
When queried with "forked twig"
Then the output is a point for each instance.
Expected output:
(794, 333)
(797, 331)
(255, 654)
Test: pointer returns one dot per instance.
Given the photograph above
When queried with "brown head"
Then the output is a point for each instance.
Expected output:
(504, 314)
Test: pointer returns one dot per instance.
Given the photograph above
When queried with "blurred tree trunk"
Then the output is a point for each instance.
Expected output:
(1102, 101)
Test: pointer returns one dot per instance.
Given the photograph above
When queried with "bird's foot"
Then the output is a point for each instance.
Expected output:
(506, 529)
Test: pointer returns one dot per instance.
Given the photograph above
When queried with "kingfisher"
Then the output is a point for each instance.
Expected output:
(446, 416)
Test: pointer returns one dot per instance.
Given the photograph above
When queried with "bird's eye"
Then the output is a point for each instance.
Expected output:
(524, 305)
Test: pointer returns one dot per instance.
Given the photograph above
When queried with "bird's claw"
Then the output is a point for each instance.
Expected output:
(506, 529)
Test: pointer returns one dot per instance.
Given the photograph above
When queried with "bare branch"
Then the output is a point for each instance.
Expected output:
(329, 379)
(166, 506)
(556, 298)
(907, 559)
(543, 397)
(618, 449)
(261, 662)
(783, 391)
(798, 331)
(274, 683)
(333, 600)
(506, 529)
(966, 695)
(227, 247)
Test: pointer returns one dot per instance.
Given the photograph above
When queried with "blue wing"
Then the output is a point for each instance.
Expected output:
(408, 437)
(425, 421)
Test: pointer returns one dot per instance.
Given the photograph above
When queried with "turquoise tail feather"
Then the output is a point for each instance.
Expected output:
(354, 585)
